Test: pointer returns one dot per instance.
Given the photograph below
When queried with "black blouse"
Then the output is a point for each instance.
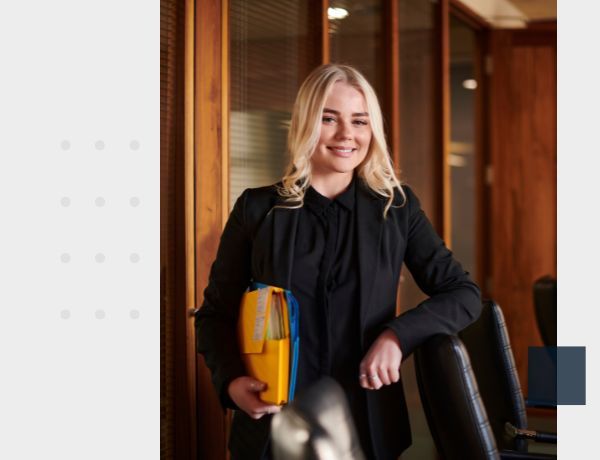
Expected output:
(325, 282)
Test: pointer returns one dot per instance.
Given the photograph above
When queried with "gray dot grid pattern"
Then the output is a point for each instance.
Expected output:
(100, 202)
(100, 313)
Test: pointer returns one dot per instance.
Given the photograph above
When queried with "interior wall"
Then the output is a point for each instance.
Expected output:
(523, 192)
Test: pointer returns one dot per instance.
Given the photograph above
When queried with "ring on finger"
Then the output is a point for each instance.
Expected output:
(374, 376)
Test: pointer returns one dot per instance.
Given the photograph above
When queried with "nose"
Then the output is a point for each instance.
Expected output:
(344, 132)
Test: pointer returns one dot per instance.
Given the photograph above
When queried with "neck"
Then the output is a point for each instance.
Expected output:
(331, 186)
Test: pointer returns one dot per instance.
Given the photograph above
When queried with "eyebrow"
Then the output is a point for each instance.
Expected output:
(335, 112)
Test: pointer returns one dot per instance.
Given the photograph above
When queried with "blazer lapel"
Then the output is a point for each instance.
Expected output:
(369, 227)
(273, 252)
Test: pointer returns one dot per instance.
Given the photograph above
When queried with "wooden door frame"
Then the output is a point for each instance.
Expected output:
(210, 195)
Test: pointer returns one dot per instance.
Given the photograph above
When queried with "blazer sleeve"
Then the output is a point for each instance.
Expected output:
(454, 299)
(216, 320)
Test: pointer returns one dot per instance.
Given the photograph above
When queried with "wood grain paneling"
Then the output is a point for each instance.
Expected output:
(210, 198)
(444, 27)
(523, 196)
(390, 105)
(322, 14)
(177, 392)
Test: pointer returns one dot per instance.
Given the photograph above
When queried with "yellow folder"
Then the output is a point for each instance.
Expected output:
(263, 314)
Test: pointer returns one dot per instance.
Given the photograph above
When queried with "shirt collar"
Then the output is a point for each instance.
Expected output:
(317, 202)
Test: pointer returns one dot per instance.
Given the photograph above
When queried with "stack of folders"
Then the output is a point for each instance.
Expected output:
(269, 342)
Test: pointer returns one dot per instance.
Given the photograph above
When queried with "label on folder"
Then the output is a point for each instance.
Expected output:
(261, 310)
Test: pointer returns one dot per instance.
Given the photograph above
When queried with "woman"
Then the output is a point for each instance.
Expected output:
(335, 231)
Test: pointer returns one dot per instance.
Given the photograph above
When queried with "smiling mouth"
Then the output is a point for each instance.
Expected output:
(342, 150)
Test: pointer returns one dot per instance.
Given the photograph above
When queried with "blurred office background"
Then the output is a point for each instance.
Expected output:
(468, 91)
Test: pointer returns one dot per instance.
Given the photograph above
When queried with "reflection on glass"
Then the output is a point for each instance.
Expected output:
(356, 38)
(419, 110)
(462, 146)
(273, 47)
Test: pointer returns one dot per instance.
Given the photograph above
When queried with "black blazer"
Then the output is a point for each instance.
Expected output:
(258, 244)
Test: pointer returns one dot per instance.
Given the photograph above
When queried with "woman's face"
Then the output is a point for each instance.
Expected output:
(345, 133)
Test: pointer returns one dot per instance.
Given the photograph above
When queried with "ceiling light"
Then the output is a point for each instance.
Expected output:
(469, 83)
(337, 13)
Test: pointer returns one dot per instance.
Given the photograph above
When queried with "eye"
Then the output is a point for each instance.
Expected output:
(328, 119)
(360, 122)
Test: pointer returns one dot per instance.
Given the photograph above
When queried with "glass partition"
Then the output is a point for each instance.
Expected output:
(356, 37)
(420, 107)
(274, 45)
(463, 87)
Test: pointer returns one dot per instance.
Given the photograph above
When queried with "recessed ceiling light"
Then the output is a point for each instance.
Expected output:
(337, 13)
(469, 83)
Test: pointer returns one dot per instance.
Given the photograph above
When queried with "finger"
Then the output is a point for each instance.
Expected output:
(261, 410)
(394, 375)
(384, 377)
(375, 381)
(364, 381)
(256, 386)
(273, 409)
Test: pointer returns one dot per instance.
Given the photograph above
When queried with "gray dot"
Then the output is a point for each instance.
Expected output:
(99, 145)
(65, 258)
(65, 201)
(99, 314)
(134, 145)
(134, 201)
(65, 145)
(65, 314)
(134, 314)
(100, 201)
(100, 258)
(134, 257)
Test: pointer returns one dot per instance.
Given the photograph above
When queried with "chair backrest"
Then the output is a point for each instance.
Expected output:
(316, 425)
(488, 344)
(455, 414)
(544, 299)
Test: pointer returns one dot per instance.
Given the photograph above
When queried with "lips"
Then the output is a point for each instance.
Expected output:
(344, 152)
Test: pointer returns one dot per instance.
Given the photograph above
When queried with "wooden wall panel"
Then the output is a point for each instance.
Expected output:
(523, 196)
(210, 198)
(177, 394)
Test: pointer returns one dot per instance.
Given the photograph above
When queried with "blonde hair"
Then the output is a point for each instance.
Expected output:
(376, 170)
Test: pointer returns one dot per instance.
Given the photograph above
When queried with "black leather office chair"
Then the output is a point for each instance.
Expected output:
(545, 302)
(488, 344)
(456, 415)
(317, 425)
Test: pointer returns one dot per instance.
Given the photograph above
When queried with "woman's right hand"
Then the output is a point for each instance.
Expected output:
(244, 392)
